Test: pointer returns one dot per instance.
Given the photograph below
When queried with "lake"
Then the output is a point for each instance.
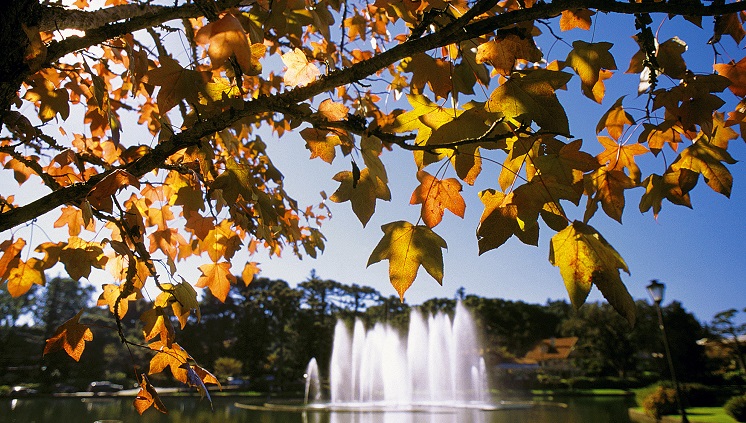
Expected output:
(192, 410)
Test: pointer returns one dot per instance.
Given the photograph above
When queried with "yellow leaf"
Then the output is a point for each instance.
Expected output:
(586, 259)
(226, 38)
(249, 270)
(361, 193)
(588, 60)
(172, 357)
(218, 278)
(71, 337)
(24, 275)
(576, 18)
(407, 247)
(148, 397)
(503, 53)
(156, 323)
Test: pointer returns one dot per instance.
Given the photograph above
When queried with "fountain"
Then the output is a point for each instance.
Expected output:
(437, 365)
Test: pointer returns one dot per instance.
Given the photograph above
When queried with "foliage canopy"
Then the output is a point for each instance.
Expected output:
(203, 78)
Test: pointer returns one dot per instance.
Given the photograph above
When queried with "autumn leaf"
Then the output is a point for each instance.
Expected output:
(436, 73)
(407, 247)
(586, 259)
(615, 119)
(618, 156)
(730, 25)
(52, 101)
(176, 84)
(588, 60)
(666, 186)
(530, 95)
(333, 111)
(11, 255)
(73, 218)
(321, 143)
(736, 73)
(500, 221)
(80, 256)
(503, 53)
(706, 159)
(300, 72)
(437, 195)
(250, 269)
(156, 323)
(356, 26)
(100, 195)
(111, 297)
(71, 337)
(147, 397)
(226, 37)
(218, 278)
(25, 274)
(576, 18)
(363, 195)
(173, 357)
(610, 186)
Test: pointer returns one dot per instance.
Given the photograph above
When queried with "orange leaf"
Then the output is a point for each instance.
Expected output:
(576, 18)
(148, 397)
(503, 53)
(71, 337)
(226, 37)
(361, 193)
(300, 72)
(73, 218)
(436, 196)
(332, 111)
(618, 156)
(172, 357)
(249, 270)
(11, 251)
(176, 83)
(615, 119)
(736, 73)
(110, 296)
(217, 277)
(156, 323)
(100, 195)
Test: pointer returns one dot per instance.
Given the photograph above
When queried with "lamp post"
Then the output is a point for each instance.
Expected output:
(656, 291)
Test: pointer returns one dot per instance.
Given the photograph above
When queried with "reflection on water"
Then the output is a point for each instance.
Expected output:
(192, 410)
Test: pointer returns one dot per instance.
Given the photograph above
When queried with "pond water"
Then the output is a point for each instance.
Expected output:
(192, 410)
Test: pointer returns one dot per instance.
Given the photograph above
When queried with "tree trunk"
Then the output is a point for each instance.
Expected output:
(13, 43)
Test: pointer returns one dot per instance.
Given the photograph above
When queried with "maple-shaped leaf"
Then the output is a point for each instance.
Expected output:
(667, 132)
(71, 337)
(407, 247)
(100, 195)
(238, 180)
(300, 71)
(615, 119)
(11, 255)
(74, 219)
(148, 397)
(80, 256)
(576, 18)
(24, 275)
(666, 186)
(218, 278)
(588, 60)
(185, 301)
(728, 24)
(522, 152)
(436, 73)
(736, 73)
(609, 186)
(332, 111)
(529, 95)
(221, 241)
(176, 83)
(585, 259)
(371, 148)
(173, 357)
(362, 192)
(356, 26)
(114, 297)
(706, 159)
(321, 143)
(500, 221)
(52, 101)
(669, 58)
(156, 323)
(618, 156)
(226, 37)
(503, 53)
(249, 270)
(437, 195)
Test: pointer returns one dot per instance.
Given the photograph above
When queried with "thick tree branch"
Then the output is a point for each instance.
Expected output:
(453, 33)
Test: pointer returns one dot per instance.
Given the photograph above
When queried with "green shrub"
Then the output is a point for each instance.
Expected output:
(661, 402)
(736, 408)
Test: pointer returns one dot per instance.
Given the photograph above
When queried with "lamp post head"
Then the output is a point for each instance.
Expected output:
(656, 290)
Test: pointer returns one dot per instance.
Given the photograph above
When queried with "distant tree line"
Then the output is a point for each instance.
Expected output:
(268, 331)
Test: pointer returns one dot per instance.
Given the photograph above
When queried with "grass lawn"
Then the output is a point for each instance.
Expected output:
(702, 415)
(581, 392)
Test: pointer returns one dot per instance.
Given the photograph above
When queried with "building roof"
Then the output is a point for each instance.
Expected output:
(550, 349)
